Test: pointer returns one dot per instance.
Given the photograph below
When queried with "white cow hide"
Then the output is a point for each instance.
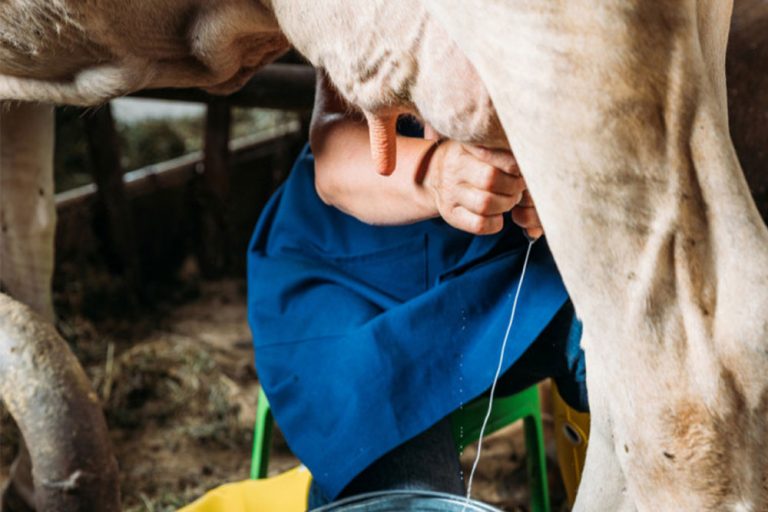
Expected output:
(616, 112)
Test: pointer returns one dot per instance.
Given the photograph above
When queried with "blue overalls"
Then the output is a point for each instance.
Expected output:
(366, 336)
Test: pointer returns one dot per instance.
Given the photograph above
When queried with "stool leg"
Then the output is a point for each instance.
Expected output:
(262, 438)
(536, 462)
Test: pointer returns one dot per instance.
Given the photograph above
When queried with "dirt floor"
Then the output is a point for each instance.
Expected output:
(179, 392)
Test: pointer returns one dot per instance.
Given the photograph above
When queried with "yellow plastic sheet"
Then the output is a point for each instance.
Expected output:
(286, 492)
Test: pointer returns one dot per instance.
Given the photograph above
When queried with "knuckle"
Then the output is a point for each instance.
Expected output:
(527, 199)
(509, 203)
(489, 178)
(521, 217)
(476, 224)
(513, 168)
(513, 186)
(493, 225)
(483, 153)
(485, 202)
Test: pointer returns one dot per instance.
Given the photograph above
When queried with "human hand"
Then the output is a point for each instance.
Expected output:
(524, 215)
(474, 187)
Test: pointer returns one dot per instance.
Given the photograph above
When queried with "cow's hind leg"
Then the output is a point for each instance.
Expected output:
(42, 384)
(27, 210)
(27, 230)
(603, 480)
(617, 114)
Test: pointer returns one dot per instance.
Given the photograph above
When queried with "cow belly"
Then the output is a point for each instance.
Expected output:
(85, 53)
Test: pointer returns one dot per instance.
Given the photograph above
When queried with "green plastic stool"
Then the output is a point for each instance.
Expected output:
(467, 422)
(525, 405)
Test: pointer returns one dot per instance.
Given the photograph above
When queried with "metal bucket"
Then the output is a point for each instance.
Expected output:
(399, 501)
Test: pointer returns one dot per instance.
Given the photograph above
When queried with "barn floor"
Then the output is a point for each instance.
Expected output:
(179, 391)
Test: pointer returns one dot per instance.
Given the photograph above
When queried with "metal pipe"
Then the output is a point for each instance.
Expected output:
(59, 415)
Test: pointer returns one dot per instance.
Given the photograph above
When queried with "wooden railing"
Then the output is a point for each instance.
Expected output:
(277, 86)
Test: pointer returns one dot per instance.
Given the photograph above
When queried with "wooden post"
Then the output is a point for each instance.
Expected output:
(112, 202)
(214, 245)
(216, 149)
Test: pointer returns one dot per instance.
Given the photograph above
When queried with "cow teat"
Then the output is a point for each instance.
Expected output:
(382, 132)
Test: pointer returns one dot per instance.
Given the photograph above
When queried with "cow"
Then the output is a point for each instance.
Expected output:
(617, 113)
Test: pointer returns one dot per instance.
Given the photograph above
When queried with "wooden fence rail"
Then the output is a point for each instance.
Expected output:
(278, 86)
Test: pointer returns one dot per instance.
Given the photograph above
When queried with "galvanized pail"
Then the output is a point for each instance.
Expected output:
(399, 501)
